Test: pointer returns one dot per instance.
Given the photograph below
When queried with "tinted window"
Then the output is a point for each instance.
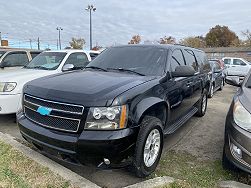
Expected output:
(217, 66)
(46, 61)
(34, 54)
(14, 59)
(93, 55)
(177, 60)
(227, 61)
(143, 60)
(1, 53)
(79, 60)
(238, 62)
(202, 61)
(190, 59)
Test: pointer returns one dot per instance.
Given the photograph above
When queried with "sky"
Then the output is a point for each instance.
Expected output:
(116, 21)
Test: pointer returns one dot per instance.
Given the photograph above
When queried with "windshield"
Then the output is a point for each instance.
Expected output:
(46, 61)
(140, 60)
(1, 53)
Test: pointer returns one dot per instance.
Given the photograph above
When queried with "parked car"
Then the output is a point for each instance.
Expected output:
(237, 145)
(236, 66)
(117, 110)
(46, 63)
(216, 78)
(94, 53)
(12, 59)
(220, 62)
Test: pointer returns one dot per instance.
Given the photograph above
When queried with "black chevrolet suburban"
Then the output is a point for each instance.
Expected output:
(117, 110)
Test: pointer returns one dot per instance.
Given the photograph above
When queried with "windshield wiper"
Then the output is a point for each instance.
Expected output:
(126, 70)
(40, 67)
(98, 68)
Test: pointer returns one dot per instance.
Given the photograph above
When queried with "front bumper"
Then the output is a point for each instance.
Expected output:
(88, 147)
(9, 103)
(240, 139)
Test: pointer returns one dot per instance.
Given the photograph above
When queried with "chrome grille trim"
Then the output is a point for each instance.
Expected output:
(59, 110)
(74, 127)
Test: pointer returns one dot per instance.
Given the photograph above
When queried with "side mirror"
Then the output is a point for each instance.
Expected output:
(234, 81)
(68, 67)
(183, 71)
(3, 64)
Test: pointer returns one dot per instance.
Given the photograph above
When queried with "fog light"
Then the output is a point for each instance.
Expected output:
(107, 161)
(237, 151)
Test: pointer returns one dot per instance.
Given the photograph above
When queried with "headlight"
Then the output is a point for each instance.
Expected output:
(107, 118)
(7, 86)
(241, 116)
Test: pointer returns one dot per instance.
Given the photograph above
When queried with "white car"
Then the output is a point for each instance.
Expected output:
(15, 58)
(46, 63)
(236, 66)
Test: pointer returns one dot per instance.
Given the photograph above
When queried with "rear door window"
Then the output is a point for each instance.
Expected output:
(15, 59)
(190, 59)
(227, 61)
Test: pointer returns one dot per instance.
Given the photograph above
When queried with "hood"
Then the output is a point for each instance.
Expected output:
(22, 76)
(245, 98)
(87, 88)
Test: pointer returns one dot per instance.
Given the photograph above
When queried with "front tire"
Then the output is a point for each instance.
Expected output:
(149, 146)
(202, 105)
(222, 85)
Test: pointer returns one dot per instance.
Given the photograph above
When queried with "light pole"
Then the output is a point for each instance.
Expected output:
(91, 8)
(59, 36)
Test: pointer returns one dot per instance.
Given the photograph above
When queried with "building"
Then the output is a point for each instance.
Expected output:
(242, 52)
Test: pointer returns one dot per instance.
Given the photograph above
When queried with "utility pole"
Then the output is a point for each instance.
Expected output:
(91, 8)
(59, 36)
(30, 44)
(38, 43)
(57, 44)
(0, 38)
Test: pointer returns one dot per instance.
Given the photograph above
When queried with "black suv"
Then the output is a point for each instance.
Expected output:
(117, 110)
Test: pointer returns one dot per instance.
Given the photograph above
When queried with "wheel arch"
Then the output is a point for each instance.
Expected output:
(154, 107)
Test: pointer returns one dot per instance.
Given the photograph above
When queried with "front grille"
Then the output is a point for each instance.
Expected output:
(62, 116)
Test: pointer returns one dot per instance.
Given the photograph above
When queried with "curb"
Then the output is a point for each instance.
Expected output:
(68, 175)
(155, 182)
(232, 184)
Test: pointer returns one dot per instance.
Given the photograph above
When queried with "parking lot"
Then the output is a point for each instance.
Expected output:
(200, 137)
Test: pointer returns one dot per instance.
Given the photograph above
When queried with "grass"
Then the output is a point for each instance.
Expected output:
(18, 171)
(192, 172)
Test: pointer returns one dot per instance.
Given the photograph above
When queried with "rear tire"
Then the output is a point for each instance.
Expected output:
(148, 146)
(202, 105)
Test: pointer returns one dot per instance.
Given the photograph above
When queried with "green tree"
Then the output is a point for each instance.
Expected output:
(167, 40)
(195, 42)
(220, 36)
(77, 43)
(136, 39)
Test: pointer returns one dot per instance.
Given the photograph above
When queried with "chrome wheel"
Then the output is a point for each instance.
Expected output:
(152, 147)
(204, 103)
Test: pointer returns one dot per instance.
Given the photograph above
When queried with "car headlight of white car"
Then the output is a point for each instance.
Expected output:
(7, 86)
(107, 118)
(242, 117)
